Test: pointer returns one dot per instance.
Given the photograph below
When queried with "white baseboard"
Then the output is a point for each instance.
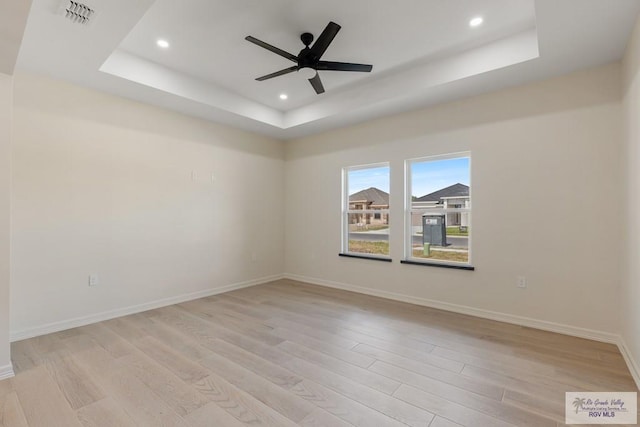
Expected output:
(6, 372)
(492, 315)
(631, 363)
(471, 311)
(111, 314)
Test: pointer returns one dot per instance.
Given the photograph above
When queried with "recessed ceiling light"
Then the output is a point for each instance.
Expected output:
(478, 20)
(283, 96)
(162, 43)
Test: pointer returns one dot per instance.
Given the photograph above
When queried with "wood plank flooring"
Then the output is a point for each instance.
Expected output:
(291, 354)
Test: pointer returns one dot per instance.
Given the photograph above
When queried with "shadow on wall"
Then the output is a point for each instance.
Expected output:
(589, 88)
(631, 66)
(56, 97)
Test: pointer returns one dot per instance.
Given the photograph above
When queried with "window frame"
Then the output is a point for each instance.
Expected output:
(409, 212)
(344, 241)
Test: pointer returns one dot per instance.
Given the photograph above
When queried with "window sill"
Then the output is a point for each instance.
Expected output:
(437, 264)
(373, 258)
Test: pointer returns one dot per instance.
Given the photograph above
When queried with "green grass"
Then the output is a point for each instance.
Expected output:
(370, 227)
(364, 247)
(382, 248)
(455, 231)
(442, 255)
(377, 227)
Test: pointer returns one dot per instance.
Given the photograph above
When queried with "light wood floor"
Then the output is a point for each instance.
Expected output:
(286, 354)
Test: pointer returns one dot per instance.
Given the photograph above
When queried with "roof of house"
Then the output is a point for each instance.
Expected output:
(373, 195)
(455, 190)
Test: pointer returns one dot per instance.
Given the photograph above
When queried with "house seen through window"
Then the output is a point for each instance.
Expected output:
(439, 209)
(366, 210)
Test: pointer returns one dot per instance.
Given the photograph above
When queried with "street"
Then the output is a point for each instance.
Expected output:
(457, 241)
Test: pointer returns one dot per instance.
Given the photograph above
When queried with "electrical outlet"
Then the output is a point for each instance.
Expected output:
(93, 280)
(521, 282)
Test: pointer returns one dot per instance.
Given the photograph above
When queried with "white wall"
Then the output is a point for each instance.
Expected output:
(552, 149)
(631, 280)
(6, 90)
(103, 185)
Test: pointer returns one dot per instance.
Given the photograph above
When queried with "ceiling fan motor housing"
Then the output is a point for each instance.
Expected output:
(307, 39)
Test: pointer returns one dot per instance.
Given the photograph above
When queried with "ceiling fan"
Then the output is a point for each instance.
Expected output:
(309, 57)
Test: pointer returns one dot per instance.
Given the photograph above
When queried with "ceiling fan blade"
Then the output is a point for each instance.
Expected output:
(325, 39)
(273, 49)
(343, 66)
(278, 73)
(317, 84)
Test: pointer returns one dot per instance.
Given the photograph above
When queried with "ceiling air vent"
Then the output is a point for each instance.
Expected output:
(77, 12)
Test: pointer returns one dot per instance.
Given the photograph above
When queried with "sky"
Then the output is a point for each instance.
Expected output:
(426, 177)
(361, 179)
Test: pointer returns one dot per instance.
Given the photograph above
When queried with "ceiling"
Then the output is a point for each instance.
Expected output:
(423, 52)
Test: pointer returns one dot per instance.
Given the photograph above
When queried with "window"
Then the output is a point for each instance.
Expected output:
(365, 211)
(438, 210)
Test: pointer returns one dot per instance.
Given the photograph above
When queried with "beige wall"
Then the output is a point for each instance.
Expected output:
(551, 148)
(158, 205)
(631, 280)
(6, 89)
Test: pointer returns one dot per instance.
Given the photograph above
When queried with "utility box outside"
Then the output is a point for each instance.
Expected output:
(434, 230)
